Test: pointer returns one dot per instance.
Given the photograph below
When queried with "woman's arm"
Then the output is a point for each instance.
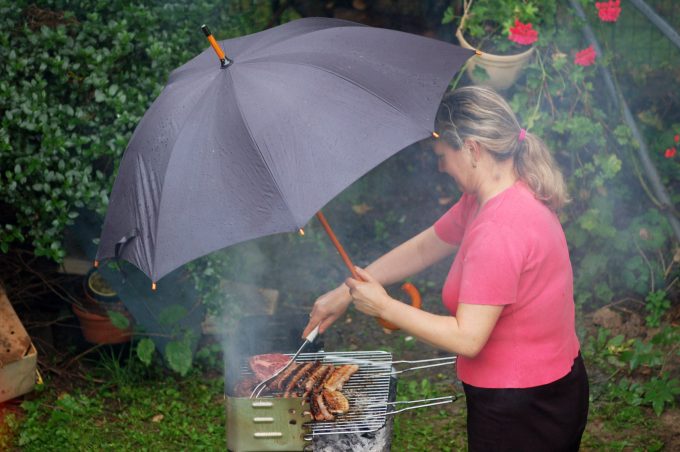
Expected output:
(466, 334)
(410, 258)
(407, 259)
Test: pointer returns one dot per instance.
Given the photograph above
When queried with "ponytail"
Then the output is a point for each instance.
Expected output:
(537, 168)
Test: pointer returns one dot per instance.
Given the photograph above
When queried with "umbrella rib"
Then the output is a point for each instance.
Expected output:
(199, 103)
(259, 152)
(340, 76)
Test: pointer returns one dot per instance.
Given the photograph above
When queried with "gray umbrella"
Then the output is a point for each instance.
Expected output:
(256, 147)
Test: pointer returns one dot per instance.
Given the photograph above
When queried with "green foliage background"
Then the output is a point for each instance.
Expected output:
(77, 76)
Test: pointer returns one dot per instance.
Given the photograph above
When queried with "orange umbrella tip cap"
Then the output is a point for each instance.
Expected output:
(153, 286)
(435, 134)
(478, 52)
(301, 231)
(96, 264)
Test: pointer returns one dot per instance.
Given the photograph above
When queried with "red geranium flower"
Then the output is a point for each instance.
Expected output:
(585, 57)
(609, 11)
(676, 138)
(670, 153)
(523, 33)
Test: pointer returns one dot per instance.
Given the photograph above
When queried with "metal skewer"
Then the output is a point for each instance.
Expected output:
(423, 403)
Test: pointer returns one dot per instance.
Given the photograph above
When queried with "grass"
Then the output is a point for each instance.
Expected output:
(150, 409)
(143, 411)
(441, 429)
(617, 426)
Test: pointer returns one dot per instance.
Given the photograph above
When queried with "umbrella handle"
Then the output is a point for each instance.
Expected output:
(410, 289)
(416, 302)
(338, 246)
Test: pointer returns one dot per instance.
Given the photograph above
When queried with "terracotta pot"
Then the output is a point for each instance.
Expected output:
(503, 70)
(98, 329)
(99, 296)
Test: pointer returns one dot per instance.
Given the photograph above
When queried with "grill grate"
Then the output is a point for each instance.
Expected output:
(367, 391)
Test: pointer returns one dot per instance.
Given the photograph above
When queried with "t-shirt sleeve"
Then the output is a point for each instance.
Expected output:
(451, 226)
(492, 266)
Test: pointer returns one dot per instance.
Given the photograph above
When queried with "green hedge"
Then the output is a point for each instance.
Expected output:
(77, 77)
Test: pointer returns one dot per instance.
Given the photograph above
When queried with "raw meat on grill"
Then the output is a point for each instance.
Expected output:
(320, 384)
(340, 376)
(264, 366)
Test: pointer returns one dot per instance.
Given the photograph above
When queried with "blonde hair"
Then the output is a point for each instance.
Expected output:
(482, 115)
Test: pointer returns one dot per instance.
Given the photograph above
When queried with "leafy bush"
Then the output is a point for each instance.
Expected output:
(620, 243)
(78, 76)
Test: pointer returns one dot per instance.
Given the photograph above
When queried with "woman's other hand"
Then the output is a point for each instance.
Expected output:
(328, 308)
(369, 295)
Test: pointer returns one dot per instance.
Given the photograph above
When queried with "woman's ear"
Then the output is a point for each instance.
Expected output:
(474, 151)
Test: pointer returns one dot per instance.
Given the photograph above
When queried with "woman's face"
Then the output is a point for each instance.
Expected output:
(454, 162)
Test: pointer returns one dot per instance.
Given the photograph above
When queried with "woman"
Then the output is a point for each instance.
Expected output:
(509, 290)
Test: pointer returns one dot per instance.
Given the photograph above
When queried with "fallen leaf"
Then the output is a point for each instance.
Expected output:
(361, 209)
(157, 418)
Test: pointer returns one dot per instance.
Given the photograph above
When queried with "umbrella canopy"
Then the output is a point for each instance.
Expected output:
(228, 154)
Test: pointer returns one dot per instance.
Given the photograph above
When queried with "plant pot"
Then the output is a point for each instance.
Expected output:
(98, 329)
(503, 70)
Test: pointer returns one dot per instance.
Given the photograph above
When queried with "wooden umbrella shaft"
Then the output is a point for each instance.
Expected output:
(345, 258)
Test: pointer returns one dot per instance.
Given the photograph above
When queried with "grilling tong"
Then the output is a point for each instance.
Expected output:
(263, 384)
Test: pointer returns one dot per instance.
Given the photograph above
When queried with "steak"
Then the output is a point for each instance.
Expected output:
(264, 366)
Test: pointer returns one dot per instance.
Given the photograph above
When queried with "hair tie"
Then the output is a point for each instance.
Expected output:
(522, 135)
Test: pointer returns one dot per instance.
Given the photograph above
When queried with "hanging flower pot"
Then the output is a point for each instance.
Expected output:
(501, 70)
(504, 33)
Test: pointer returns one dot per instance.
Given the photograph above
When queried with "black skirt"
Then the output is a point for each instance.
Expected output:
(549, 417)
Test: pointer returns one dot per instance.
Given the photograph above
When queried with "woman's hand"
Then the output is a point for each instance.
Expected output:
(328, 308)
(369, 295)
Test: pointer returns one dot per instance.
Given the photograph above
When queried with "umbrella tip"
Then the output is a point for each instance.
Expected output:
(301, 231)
(224, 60)
(435, 134)
(478, 52)
(153, 286)
(96, 264)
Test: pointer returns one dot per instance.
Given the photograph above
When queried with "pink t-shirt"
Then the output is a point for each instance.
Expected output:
(513, 253)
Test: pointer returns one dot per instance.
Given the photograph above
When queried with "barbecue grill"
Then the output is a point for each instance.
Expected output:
(278, 424)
